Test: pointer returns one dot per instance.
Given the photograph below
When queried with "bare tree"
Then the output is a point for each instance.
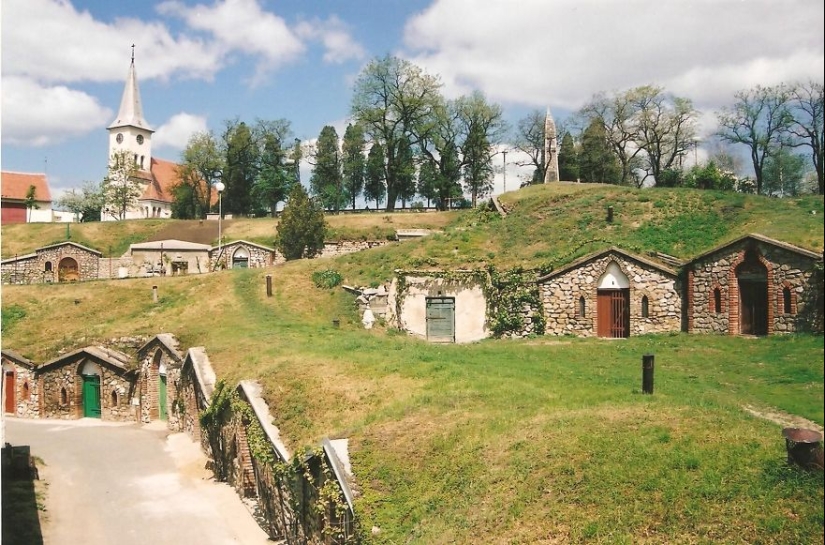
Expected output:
(807, 126)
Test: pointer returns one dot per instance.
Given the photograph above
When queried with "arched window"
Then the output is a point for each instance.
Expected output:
(64, 396)
(717, 300)
(26, 392)
(48, 267)
(787, 306)
(581, 308)
(141, 161)
(114, 398)
(645, 307)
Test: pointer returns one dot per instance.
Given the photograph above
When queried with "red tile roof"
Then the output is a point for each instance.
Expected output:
(15, 185)
(164, 177)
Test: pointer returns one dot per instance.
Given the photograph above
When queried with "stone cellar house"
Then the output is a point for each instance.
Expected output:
(93, 382)
(160, 361)
(611, 293)
(753, 285)
(242, 254)
(20, 389)
(63, 262)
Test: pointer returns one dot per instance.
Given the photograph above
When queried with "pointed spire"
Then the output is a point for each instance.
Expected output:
(131, 111)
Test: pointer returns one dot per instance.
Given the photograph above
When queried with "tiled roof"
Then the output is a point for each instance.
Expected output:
(162, 179)
(760, 238)
(15, 185)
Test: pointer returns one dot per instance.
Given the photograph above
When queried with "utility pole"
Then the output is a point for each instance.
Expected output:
(504, 172)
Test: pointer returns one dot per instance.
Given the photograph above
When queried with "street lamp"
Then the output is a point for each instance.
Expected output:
(220, 187)
(696, 141)
(504, 171)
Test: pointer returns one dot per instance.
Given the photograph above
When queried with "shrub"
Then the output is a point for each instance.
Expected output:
(326, 279)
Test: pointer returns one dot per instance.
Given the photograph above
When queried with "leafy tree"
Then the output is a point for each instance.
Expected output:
(202, 164)
(276, 174)
(121, 187)
(295, 156)
(597, 161)
(482, 126)
(31, 202)
(808, 125)
(302, 228)
(395, 100)
(710, 176)
(241, 168)
(440, 149)
(757, 120)
(374, 188)
(85, 204)
(784, 172)
(403, 170)
(568, 159)
(354, 162)
(478, 167)
(326, 180)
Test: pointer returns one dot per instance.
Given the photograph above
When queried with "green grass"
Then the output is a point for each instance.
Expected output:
(543, 440)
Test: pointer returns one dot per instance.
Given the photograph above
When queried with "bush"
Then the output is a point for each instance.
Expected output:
(326, 279)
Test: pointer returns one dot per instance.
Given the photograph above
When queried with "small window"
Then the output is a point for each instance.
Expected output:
(48, 267)
(717, 300)
(581, 310)
(64, 396)
(787, 307)
(26, 392)
(114, 398)
(645, 307)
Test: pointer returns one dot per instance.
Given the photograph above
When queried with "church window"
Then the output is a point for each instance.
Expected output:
(140, 139)
(141, 161)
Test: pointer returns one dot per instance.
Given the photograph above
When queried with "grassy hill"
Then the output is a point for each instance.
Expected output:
(544, 440)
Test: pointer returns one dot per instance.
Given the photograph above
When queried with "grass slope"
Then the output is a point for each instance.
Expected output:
(533, 441)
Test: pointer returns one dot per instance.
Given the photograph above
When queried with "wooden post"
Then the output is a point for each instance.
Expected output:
(647, 374)
(154, 294)
(609, 214)
(269, 285)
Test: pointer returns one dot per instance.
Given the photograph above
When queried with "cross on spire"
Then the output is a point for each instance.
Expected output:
(133, 52)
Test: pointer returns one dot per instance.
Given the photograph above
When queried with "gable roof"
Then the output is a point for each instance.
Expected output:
(70, 243)
(758, 238)
(17, 358)
(239, 242)
(612, 250)
(170, 244)
(168, 341)
(110, 357)
(15, 185)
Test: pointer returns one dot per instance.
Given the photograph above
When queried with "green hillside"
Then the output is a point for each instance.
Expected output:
(539, 440)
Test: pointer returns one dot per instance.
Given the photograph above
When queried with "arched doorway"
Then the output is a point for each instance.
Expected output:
(90, 394)
(9, 391)
(613, 303)
(240, 259)
(67, 270)
(752, 280)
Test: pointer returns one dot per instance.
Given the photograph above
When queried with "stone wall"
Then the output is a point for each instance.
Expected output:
(562, 295)
(116, 393)
(44, 265)
(717, 271)
(334, 249)
(26, 386)
(259, 257)
(56, 403)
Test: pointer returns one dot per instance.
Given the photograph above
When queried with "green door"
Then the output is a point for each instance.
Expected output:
(91, 396)
(162, 397)
(441, 319)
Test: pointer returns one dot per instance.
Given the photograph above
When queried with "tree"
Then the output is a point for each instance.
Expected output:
(354, 162)
(758, 120)
(403, 171)
(440, 150)
(326, 181)
(276, 175)
(241, 167)
(374, 188)
(85, 204)
(302, 228)
(31, 202)
(478, 167)
(121, 188)
(568, 159)
(394, 99)
(529, 139)
(784, 172)
(201, 167)
(597, 161)
(428, 179)
(808, 126)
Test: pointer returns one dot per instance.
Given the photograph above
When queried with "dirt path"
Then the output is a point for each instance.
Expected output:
(784, 419)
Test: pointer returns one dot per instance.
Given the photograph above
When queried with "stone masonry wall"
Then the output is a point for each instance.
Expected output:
(718, 271)
(560, 297)
(27, 391)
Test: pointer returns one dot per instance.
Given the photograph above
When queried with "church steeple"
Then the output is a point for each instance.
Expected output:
(130, 113)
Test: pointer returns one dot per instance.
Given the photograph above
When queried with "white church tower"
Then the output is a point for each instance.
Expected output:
(551, 152)
(130, 132)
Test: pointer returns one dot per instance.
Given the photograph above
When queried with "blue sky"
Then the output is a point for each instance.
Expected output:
(201, 62)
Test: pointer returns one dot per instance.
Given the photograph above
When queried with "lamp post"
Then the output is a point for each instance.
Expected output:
(504, 171)
(695, 154)
(220, 187)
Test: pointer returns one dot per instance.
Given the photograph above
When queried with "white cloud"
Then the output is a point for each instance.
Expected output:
(241, 25)
(561, 52)
(35, 115)
(176, 132)
(334, 34)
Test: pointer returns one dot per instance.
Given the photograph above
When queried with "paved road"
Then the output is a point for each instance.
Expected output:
(128, 484)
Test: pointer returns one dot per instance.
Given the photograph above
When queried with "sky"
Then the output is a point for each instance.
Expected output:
(203, 62)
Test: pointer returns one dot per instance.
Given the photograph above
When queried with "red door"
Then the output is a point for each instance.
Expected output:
(10, 403)
(613, 309)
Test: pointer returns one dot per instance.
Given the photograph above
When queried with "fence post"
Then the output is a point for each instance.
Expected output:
(647, 374)
(269, 285)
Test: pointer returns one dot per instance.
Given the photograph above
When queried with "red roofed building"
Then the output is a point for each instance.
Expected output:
(14, 186)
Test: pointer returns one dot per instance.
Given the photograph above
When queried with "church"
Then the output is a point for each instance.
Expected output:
(130, 134)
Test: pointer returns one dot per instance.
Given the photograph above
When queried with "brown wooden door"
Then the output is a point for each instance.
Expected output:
(9, 402)
(753, 307)
(613, 309)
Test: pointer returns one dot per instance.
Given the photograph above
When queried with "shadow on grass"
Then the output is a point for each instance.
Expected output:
(21, 521)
